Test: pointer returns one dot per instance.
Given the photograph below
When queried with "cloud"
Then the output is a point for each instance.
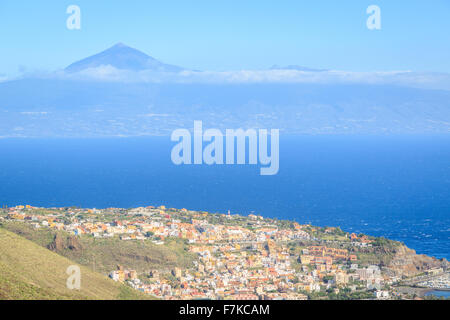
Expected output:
(403, 78)
(107, 73)
(35, 113)
(3, 78)
(152, 115)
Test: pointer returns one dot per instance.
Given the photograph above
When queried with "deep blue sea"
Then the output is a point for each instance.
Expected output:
(392, 186)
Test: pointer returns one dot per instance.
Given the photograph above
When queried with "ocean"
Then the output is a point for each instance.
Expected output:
(439, 293)
(392, 186)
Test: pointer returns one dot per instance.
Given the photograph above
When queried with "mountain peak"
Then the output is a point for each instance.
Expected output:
(120, 45)
(121, 56)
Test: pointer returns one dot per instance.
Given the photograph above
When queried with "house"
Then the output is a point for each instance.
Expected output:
(341, 278)
(382, 294)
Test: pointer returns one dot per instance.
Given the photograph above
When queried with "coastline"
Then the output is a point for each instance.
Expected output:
(301, 261)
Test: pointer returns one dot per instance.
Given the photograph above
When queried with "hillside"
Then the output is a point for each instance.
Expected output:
(31, 272)
(105, 254)
(63, 108)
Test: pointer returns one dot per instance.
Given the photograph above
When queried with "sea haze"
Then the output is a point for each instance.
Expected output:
(392, 186)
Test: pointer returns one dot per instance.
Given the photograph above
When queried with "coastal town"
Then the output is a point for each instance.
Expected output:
(243, 257)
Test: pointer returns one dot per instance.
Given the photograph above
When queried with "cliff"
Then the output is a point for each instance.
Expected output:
(406, 262)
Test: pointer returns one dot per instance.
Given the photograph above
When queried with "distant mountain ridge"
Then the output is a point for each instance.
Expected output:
(122, 57)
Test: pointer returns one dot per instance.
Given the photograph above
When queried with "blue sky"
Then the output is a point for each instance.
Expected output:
(230, 35)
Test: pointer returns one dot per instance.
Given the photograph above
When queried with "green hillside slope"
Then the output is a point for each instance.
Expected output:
(28, 271)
